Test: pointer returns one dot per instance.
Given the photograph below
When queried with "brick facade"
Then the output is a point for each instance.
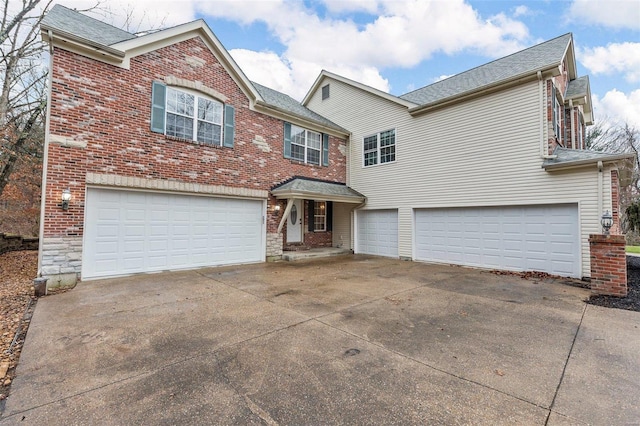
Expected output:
(608, 265)
(100, 124)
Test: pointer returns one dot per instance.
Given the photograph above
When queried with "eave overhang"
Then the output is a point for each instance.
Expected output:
(309, 189)
(547, 71)
(558, 163)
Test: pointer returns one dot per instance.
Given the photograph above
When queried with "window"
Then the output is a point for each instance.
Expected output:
(305, 145)
(190, 116)
(380, 148)
(319, 216)
(325, 92)
(193, 117)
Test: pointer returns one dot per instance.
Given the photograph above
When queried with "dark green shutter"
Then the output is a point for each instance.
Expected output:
(229, 125)
(287, 140)
(329, 215)
(325, 149)
(310, 214)
(158, 95)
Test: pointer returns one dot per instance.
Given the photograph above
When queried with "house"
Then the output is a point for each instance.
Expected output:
(486, 168)
(160, 154)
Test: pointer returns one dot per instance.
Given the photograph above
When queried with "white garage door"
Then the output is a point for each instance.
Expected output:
(128, 232)
(377, 232)
(524, 238)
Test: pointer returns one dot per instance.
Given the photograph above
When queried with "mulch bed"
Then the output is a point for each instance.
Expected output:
(632, 301)
(17, 271)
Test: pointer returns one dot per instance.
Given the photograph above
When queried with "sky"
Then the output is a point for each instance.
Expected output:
(401, 45)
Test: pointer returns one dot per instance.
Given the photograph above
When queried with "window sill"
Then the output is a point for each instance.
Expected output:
(192, 142)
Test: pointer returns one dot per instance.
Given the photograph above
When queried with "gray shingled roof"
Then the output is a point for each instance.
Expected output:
(530, 60)
(565, 157)
(288, 104)
(318, 189)
(71, 22)
(578, 88)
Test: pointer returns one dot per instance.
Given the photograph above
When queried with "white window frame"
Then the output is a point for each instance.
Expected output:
(197, 100)
(296, 130)
(559, 115)
(378, 149)
(322, 206)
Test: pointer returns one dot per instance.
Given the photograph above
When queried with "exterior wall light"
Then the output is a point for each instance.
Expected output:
(66, 197)
(606, 222)
(276, 209)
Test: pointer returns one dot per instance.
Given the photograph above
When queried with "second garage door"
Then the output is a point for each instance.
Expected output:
(377, 232)
(128, 232)
(522, 238)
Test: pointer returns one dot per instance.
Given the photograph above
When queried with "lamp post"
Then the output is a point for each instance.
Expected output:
(607, 222)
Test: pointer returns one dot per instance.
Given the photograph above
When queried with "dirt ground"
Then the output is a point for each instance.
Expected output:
(17, 271)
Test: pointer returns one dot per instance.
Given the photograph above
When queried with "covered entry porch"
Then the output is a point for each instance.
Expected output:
(315, 214)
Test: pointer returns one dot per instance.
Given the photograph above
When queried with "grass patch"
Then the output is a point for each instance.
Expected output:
(632, 249)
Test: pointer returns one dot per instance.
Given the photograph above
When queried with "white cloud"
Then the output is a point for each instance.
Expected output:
(340, 6)
(399, 33)
(621, 58)
(612, 13)
(405, 34)
(618, 107)
(521, 11)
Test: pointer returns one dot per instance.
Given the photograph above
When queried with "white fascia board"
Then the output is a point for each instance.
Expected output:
(198, 28)
(284, 115)
(326, 74)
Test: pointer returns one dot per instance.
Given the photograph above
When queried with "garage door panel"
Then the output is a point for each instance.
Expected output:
(543, 238)
(147, 232)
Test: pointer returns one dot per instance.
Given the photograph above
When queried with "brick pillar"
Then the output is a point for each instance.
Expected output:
(608, 265)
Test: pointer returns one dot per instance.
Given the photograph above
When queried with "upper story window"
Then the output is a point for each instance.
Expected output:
(305, 145)
(191, 116)
(380, 148)
(558, 114)
(325, 92)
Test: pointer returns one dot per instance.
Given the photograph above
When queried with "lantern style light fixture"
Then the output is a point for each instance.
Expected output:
(606, 222)
(66, 197)
(276, 209)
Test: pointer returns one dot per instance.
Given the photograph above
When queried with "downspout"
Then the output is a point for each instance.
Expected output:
(600, 186)
(45, 154)
(542, 113)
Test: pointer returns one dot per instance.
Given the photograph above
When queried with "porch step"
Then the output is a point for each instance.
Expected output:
(291, 256)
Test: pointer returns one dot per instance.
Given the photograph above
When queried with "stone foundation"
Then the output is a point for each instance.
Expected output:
(274, 246)
(61, 261)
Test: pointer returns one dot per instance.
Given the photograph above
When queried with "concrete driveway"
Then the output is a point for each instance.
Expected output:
(346, 340)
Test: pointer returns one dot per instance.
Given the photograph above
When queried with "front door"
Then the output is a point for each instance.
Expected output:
(294, 223)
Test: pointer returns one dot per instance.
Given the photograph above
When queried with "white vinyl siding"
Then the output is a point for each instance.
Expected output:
(342, 225)
(130, 232)
(464, 155)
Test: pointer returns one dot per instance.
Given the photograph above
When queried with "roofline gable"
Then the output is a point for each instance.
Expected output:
(324, 74)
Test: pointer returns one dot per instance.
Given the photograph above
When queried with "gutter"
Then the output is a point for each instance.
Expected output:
(262, 105)
(578, 163)
(65, 37)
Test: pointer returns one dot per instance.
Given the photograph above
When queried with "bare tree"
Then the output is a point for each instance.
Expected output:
(619, 138)
(22, 84)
